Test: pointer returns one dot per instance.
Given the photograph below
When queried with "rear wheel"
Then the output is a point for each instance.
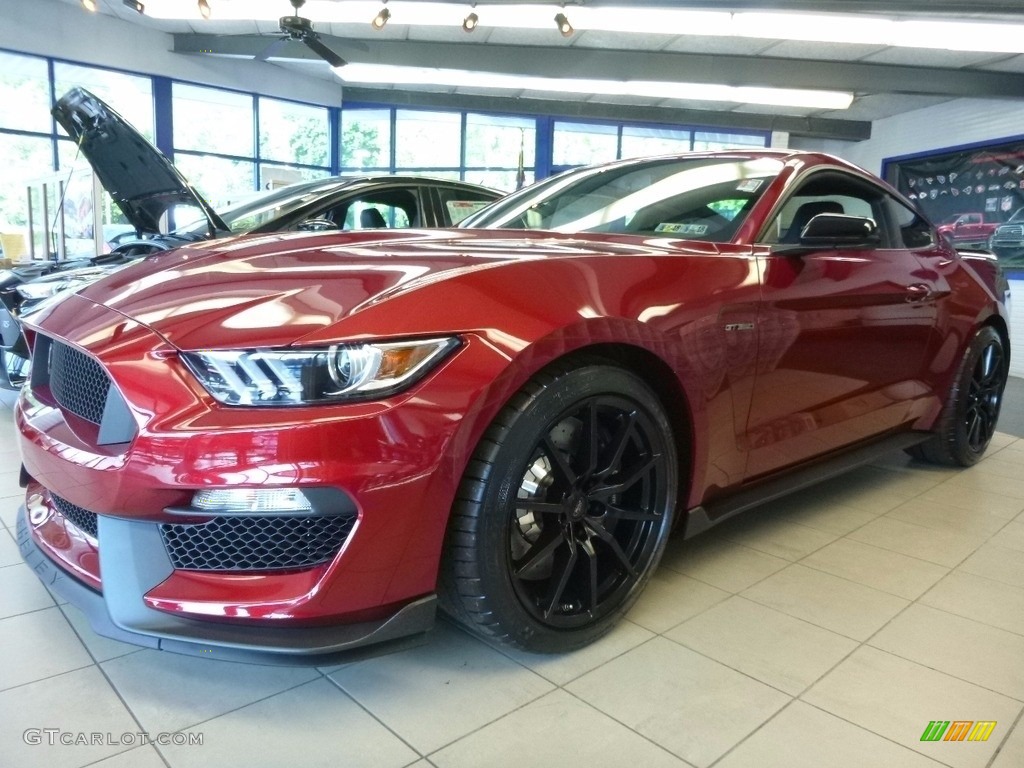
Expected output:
(564, 511)
(969, 417)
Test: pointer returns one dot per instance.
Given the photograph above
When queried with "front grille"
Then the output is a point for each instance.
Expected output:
(256, 542)
(1010, 233)
(82, 519)
(77, 382)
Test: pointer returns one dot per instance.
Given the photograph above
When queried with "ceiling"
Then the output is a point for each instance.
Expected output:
(885, 80)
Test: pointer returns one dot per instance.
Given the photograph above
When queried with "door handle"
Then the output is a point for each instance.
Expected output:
(918, 293)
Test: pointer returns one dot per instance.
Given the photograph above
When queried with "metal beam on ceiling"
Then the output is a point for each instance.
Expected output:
(932, 8)
(542, 61)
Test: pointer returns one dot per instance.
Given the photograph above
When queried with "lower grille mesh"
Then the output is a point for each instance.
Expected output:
(256, 542)
(82, 519)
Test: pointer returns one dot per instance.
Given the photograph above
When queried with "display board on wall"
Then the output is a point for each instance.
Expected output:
(985, 181)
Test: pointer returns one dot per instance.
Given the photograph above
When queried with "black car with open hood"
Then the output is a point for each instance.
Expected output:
(167, 212)
(143, 183)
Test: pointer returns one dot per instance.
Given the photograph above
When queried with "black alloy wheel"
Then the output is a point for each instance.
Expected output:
(564, 512)
(971, 412)
(984, 396)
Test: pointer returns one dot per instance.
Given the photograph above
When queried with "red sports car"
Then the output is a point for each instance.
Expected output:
(300, 444)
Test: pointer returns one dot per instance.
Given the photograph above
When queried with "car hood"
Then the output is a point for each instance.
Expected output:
(283, 289)
(137, 175)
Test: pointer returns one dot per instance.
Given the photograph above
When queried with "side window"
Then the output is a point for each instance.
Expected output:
(914, 230)
(827, 192)
(391, 208)
(457, 204)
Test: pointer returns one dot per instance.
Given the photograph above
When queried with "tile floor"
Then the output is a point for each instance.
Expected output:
(826, 630)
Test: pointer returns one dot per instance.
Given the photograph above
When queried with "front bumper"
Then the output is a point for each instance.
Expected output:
(120, 613)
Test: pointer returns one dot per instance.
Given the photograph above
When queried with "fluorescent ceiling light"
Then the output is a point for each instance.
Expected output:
(958, 35)
(385, 74)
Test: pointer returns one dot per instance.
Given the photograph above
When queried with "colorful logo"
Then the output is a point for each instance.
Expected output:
(958, 730)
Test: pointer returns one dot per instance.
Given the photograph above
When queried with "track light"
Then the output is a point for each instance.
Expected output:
(381, 19)
(469, 23)
(89, 5)
(563, 25)
(204, 8)
(135, 5)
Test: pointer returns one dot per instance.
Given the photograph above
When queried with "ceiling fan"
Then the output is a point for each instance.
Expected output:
(299, 29)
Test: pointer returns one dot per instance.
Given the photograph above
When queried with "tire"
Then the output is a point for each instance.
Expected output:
(969, 416)
(563, 512)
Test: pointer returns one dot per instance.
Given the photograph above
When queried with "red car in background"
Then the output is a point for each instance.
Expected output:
(969, 228)
(298, 444)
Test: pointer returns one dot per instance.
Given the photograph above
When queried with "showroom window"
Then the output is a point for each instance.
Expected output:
(295, 142)
(704, 141)
(584, 143)
(26, 147)
(28, 140)
(428, 141)
(637, 142)
(493, 147)
(484, 149)
(24, 82)
(130, 95)
(214, 141)
(366, 139)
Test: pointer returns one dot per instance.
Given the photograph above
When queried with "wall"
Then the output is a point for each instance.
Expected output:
(67, 31)
(963, 121)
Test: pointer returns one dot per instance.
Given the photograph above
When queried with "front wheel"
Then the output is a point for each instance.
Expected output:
(564, 510)
(969, 417)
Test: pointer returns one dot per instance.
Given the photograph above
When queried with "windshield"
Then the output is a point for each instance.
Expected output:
(696, 197)
(247, 215)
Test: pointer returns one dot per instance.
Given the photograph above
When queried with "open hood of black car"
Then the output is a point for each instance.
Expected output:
(137, 175)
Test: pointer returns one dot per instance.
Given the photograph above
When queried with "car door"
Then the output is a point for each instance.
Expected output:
(843, 331)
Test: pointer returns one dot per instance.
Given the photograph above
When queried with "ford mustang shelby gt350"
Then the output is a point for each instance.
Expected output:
(298, 444)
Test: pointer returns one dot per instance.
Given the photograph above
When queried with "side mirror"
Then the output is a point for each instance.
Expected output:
(834, 230)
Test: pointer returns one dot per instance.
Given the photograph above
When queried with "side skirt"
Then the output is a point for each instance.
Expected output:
(701, 518)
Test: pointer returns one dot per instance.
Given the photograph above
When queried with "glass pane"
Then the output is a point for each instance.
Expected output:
(452, 175)
(366, 138)
(427, 139)
(688, 197)
(294, 133)
(506, 181)
(212, 120)
(583, 144)
(220, 181)
(712, 141)
(496, 142)
(75, 171)
(24, 84)
(637, 142)
(131, 96)
(273, 176)
(22, 158)
(376, 216)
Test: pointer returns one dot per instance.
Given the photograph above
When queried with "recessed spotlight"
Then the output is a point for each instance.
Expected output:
(381, 19)
(470, 22)
(135, 5)
(204, 8)
(89, 5)
(563, 25)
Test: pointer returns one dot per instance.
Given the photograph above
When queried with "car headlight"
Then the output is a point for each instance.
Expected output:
(338, 373)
